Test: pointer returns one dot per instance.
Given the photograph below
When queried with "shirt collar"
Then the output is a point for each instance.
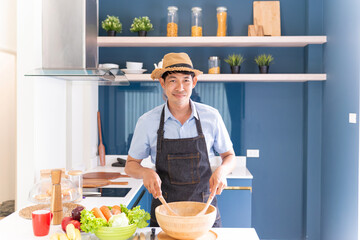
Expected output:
(168, 114)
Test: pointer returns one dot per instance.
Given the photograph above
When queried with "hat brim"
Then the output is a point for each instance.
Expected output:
(158, 72)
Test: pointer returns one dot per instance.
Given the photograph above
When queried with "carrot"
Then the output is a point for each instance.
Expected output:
(116, 210)
(97, 213)
(106, 211)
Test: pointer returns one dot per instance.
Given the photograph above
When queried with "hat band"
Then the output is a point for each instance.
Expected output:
(180, 65)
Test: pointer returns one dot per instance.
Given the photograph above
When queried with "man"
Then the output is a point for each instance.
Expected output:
(180, 135)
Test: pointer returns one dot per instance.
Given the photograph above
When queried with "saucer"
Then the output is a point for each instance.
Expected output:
(133, 71)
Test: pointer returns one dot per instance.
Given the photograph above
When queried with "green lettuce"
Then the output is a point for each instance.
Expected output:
(89, 223)
(136, 215)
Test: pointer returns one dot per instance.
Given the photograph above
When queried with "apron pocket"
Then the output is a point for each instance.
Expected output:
(184, 168)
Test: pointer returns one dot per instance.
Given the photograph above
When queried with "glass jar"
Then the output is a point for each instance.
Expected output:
(196, 22)
(214, 65)
(221, 19)
(76, 176)
(172, 25)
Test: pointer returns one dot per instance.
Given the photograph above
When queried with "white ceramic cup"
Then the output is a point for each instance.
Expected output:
(134, 65)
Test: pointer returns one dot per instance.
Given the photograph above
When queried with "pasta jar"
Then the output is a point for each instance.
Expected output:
(221, 19)
(214, 65)
(172, 26)
(77, 178)
(196, 22)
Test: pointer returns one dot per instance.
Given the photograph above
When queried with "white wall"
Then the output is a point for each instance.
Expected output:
(7, 98)
(56, 119)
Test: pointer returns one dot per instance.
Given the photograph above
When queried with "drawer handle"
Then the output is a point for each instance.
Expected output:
(238, 188)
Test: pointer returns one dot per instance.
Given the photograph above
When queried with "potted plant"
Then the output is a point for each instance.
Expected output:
(112, 25)
(263, 61)
(235, 60)
(141, 25)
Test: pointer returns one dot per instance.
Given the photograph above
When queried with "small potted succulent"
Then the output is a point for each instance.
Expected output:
(235, 61)
(263, 61)
(112, 25)
(141, 25)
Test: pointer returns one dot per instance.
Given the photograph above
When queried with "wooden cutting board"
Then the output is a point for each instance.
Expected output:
(94, 183)
(208, 236)
(103, 175)
(267, 14)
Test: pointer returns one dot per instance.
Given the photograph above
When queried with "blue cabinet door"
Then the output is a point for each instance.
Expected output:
(235, 204)
(142, 198)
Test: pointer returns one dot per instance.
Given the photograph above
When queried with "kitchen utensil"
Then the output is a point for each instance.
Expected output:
(41, 220)
(267, 14)
(187, 225)
(118, 233)
(101, 145)
(134, 65)
(152, 236)
(120, 163)
(202, 212)
(67, 208)
(136, 237)
(170, 211)
(94, 183)
(133, 71)
(56, 200)
(207, 236)
(103, 175)
(142, 236)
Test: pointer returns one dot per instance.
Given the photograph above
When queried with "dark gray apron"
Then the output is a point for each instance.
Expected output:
(184, 169)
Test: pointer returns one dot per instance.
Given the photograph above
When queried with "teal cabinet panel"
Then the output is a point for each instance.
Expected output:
(142, 198)
(235, 204)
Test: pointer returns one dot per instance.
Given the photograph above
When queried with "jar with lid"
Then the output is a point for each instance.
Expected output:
(196, 22)
(172, 25)
(214, 65)
(221, 19)
(76, 176)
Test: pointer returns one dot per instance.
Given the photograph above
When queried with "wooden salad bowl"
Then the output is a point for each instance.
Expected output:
(187, 225)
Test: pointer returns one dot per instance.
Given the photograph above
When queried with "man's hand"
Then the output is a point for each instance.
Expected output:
(152, 182)
(218, 181)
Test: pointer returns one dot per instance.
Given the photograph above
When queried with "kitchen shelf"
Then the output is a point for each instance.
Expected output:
(232, 41)
(297, 77)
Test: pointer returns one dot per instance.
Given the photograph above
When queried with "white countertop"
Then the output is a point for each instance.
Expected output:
(16, 228)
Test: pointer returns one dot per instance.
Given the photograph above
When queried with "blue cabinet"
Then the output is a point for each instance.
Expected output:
(142, 198)
(235, 203)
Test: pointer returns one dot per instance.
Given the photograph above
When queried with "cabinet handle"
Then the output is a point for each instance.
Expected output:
(238, 188)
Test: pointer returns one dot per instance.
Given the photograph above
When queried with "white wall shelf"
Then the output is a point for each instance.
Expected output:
(242, 41)
(298, 77)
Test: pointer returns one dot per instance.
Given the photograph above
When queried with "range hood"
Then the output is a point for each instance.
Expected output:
(69, 43)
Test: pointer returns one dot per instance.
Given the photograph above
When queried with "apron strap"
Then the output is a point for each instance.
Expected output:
(198, 125)
(160, 131)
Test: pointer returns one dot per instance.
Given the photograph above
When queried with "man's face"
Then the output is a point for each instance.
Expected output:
(178, 87)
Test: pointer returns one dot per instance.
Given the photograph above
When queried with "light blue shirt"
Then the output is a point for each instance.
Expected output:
(144, 140)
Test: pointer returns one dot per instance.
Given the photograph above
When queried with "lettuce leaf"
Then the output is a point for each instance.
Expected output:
(89, 223)
(136, 215)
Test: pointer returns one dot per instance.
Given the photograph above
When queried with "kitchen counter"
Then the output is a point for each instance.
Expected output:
(17, 228)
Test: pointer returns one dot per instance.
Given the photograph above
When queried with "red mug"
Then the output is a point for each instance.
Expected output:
(41, 220)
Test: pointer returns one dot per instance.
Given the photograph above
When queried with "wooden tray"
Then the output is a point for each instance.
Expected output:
(208, 236)
(95, 183)
(67, 208)
(103, 175)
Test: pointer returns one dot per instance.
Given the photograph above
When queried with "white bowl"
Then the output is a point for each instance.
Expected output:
(134, 65)
(108, 66)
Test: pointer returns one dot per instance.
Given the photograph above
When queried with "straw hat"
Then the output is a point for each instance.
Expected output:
(175, 62)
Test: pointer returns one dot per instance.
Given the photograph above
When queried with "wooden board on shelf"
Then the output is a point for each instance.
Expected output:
(231, 41)
(267, 14)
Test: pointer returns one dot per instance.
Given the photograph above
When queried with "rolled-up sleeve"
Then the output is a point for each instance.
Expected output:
(222, 141)
(140, 146)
